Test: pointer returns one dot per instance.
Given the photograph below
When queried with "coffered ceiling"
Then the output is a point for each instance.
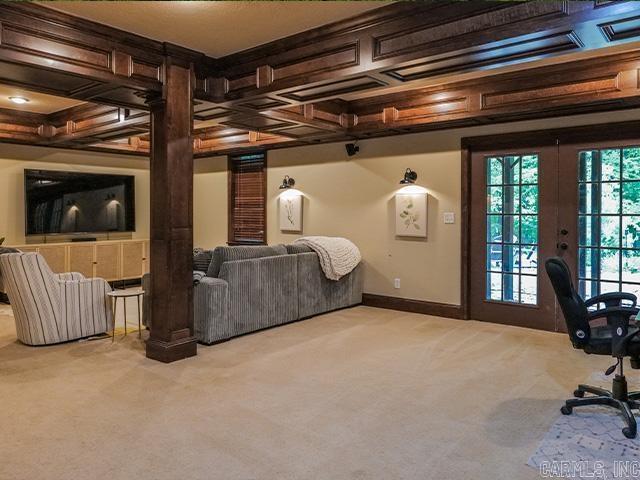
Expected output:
(402, 67)
(38, 102)
(215, 28)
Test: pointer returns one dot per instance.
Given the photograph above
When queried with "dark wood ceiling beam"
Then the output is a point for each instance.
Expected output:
(97, 122)
(53, 52)
(407, 45)
(587, 85)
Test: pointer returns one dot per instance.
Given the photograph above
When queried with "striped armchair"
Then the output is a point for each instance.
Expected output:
(52, 308)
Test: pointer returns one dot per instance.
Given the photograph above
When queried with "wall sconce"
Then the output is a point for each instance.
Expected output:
(288, 182)
(410, 177)
(110, 196)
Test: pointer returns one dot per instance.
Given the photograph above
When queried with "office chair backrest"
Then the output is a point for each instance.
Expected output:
(573, 308)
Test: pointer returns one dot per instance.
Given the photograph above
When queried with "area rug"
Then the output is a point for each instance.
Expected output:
(588, 444)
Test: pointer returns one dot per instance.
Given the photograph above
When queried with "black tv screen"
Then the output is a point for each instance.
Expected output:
(74, 202)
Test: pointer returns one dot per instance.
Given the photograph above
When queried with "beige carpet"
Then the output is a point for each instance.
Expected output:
(357, 394)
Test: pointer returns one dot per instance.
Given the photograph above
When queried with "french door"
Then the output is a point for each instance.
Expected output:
(601, 209)
(577, 200)
(513, 228)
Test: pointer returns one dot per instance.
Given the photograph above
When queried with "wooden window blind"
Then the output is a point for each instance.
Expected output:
(247, 199)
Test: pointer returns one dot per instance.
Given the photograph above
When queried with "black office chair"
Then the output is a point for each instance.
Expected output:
(618, 338)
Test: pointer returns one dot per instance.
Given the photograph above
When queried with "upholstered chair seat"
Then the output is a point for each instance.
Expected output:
(51, 308)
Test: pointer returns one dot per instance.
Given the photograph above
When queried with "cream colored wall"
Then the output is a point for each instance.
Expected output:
(210, 202)
(344, 196)
(353, 197)
(15, 158)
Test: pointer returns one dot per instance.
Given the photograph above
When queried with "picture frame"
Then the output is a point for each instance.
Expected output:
(290, 217)
(411, 215)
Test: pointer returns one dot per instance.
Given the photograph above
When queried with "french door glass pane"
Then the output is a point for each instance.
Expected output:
(609, 220)
(512, 228)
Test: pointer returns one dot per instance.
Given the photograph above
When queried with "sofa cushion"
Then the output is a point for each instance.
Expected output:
(295, 248)
(228, 254)
(202, 259)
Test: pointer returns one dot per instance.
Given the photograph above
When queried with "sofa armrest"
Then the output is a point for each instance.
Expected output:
(211, 310)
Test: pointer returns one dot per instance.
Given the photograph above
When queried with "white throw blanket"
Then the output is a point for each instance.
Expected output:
(338, 256)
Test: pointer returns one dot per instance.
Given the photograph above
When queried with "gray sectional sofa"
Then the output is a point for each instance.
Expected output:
(249, 288)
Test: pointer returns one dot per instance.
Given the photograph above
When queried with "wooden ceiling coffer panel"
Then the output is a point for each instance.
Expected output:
(489, 23)
(622, 29)
(20, 133)
(241, 83)
(300, 131)
(296, 63)
(146, 70)
(528, 47)
(209, 112)
(255, 123)
(334, 89)
(559, 93)
(56, 49)
(326, 60)
(264, 103)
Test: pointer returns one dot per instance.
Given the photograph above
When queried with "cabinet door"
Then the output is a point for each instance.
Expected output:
(81, 259)
(108, 261)
(132, 260)
(55, 255)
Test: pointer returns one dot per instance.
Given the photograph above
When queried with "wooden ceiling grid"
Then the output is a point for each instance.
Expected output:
(376, 74)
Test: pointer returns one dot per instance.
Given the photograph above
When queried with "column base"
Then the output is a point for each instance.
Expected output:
(172, 351)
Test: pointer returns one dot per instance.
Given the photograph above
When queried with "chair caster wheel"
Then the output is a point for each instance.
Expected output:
(566, 410)
(627, 432)
(578, 393)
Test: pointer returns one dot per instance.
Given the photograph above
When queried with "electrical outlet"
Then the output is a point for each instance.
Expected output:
(396, 283)
(449, 217)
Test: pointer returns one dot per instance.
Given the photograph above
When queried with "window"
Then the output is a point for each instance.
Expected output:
(609, 221)
(512, 228)
(247, 199)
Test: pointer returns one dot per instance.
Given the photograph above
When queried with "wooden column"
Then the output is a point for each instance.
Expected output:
(172, 336)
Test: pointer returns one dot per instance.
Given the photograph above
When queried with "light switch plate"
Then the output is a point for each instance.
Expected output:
(449, 217)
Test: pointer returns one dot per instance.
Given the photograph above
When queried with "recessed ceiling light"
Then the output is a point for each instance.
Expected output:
(19, 100)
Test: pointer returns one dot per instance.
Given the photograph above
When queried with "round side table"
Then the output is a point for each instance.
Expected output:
(123, 294)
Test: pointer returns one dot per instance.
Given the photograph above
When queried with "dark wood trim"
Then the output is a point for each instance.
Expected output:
(231, 240)
(517, 140)
(172, 335)
(584, 133)
(415, 306)
(465, 221)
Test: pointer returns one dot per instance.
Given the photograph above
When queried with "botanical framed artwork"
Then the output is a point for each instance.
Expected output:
(411, 215)
(290, 213)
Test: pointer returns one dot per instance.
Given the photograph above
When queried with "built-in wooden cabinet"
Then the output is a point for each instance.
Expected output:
(81, 258)
(133, 260)
(108, 261)
(112, 260)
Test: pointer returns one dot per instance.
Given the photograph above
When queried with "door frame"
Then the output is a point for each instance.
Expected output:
(528, 139)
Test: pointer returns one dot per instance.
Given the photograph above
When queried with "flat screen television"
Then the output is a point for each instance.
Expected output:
(73, 202)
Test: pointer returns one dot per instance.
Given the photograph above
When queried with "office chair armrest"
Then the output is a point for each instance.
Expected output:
(616, 311)
(611, 299)
(618, 319)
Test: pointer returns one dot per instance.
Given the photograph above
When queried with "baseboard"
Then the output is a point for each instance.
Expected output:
(414, 306)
